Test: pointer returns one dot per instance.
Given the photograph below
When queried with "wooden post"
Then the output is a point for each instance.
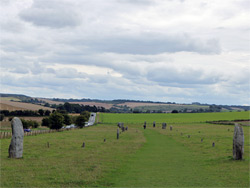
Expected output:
(48, 144)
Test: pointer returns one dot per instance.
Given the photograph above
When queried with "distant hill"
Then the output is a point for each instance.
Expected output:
(118, 105)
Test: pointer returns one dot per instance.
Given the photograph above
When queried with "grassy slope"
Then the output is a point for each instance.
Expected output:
(65, 163)
(130, 161)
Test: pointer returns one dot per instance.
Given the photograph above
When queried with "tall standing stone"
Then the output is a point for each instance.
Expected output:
(164, 125)
(154, 124)
(145, 125)
(238, 142)
(16, 144)
(117, 134)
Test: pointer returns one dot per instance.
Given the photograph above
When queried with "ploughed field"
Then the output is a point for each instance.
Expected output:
(153, 157)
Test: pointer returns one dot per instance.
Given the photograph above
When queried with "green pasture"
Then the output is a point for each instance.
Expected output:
(170, 107)
(109, 118)
(140, 158)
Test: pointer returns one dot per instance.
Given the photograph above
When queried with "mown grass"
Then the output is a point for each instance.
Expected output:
(140, 158)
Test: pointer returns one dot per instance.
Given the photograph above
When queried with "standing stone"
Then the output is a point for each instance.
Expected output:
(213, 144)
(154, 124)
(126, 128)
(83, 145)
(164, 125)
(145, 125)
(119, 125)
(171, 128)
(16, 144)
(238, 142)
(117, 134)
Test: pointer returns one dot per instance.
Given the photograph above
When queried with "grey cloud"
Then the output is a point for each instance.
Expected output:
(51, 13)
(137, 2)
(20, 70)
(172, 76)
(152, 44)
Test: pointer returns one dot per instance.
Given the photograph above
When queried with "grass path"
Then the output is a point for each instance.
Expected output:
(163, 162)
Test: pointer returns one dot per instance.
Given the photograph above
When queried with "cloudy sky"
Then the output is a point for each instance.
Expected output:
(162, 50)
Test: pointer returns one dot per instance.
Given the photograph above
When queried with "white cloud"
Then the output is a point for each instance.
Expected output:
(159, 50)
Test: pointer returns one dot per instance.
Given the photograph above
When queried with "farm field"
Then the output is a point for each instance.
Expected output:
(12, 106)
(140, 158)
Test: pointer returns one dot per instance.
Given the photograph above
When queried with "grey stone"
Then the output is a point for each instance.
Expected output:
(117, 134)
(16, 144)
(83, 144)
(164, 125)
(238, 142)
(145, 125)
(171, 128)
(154, 124)
(119, 124)
(213, 144)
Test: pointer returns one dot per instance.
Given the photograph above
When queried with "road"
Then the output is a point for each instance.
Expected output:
(91, 120)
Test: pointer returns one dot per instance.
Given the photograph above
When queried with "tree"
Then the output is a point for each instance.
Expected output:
(46, 122)
(47, 113)
(86, 114)
(56, 120)
(67, 119)
(41, 112)
(80, 121)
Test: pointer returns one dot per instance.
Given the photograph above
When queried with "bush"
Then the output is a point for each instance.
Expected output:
(29, 123)
(1, 117)
(175, 111)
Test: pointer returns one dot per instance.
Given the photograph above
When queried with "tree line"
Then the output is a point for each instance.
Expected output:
(77, 108)
(57, 119)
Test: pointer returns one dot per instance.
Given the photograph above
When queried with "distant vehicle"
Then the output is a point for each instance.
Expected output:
(70, 126)
(73, 126)
(27, 130)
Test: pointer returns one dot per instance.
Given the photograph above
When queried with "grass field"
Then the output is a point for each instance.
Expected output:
(172, 118)
(140, 158)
